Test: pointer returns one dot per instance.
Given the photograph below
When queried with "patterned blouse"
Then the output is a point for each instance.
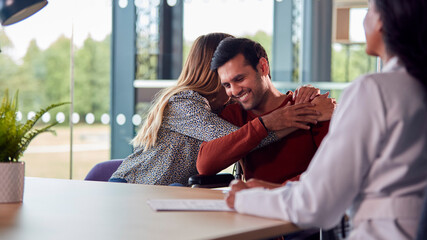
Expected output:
(187, 122)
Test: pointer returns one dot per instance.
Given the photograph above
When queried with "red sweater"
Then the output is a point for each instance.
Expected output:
(278, 162)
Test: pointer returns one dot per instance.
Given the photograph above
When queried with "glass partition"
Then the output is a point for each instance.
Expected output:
(61, 51)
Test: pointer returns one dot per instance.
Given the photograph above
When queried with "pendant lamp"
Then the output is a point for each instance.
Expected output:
(12, 11)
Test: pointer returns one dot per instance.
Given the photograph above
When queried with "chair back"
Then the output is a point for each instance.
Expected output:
(102, 171)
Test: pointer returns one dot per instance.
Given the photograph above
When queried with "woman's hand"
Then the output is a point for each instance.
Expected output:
(305, 94)
(235, 186)
(325, 106)
(238, 185)
(253, 183)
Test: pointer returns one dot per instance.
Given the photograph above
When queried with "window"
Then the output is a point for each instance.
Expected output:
(349, 59)
(37, 59)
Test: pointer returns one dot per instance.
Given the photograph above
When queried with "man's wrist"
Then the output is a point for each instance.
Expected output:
(262, 122)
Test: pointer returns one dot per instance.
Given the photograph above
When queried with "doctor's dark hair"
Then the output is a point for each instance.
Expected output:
(405, 34)
(231, 47)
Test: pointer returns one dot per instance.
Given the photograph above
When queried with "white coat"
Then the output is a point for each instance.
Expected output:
(373, 160)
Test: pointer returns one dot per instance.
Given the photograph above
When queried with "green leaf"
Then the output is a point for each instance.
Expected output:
(15, 136)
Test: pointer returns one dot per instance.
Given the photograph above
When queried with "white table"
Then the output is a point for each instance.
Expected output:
(69, 209)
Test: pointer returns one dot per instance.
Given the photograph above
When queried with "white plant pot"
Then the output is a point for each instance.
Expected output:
(11, 181)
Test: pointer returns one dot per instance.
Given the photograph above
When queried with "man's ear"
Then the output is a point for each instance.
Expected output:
(264, 68)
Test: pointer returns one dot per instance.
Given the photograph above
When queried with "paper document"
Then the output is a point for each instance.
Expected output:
(188, 205)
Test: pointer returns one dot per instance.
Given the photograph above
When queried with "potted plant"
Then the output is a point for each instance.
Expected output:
(14, 140)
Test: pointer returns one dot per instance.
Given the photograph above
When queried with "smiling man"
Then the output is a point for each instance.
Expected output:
(243, 68)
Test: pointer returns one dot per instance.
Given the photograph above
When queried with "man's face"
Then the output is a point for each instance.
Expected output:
(242, 83)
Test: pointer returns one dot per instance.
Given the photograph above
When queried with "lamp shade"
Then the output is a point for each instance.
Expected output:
(12, 11)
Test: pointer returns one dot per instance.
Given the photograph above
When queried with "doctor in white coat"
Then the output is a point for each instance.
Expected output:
(374, 159)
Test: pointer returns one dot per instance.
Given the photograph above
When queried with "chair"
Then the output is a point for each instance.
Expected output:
(103, 170)
(215, 181)
(210, 181)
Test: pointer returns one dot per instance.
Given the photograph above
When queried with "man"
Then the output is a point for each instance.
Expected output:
(243, 68)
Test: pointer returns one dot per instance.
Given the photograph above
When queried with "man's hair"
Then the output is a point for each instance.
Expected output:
(231, 47)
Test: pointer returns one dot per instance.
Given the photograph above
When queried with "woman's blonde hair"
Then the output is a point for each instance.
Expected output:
(196, 75)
